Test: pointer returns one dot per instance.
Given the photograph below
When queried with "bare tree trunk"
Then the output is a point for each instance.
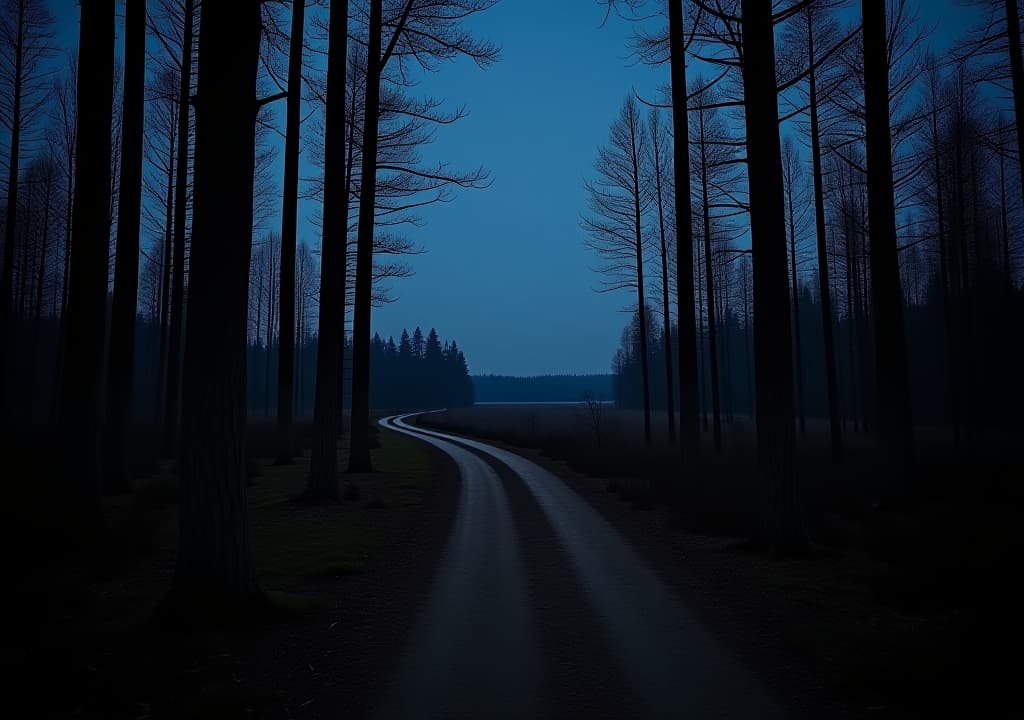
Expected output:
(65, 285)
(797, 350)
(666, 310)
(121, 377)
(1005, 223)
(343, 292)
(1016, 76)
(214, 576)
(853, 323)
(11, 216)
(689, 433)
(746, 342)
(359, 448)
(641, 301)
(172, 396)
(894, 418)
(270, 332)
(322, 482)
(781, 522)
(827, 319)
(947, 310)
(82, 374)
(709, 284)
(289, 217)
(43, 250)
(165, 285)
(702, 375)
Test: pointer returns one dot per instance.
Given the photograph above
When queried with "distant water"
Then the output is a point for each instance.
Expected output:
(549, 402)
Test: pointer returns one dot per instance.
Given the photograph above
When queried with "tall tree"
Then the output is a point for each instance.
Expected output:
(796, 214)
(935, 103)
(824, 286)
(894, 418)
(659, 163)
(214, 573)
(425, 32)
(617, 200)
(323, 480)
(359, 444)
(289, 219)
(172, 395)
(707, 121)
(121, 377)
(782, 524)
(689, 431)
(1016, 76)
(163, 145)
(26, 31)
(82, 373)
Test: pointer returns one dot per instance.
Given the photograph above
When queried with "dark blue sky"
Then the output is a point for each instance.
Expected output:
(506, 273)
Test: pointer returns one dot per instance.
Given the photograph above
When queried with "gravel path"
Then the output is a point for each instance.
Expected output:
(597, 622)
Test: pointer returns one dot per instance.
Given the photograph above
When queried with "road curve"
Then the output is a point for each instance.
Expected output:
(472, 653)
(676, 667)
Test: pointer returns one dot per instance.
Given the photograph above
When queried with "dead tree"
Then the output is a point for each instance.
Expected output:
(172, 394)
(617, 201)
(26, 33)
(659, 166)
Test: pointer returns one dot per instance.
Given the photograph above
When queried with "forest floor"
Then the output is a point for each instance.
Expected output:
(901, 615)
(341, 576)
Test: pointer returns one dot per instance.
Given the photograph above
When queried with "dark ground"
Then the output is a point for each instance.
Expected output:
(896, 615)
(912, 617)
(86, 646)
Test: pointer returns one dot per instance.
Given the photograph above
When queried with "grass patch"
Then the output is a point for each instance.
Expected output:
(292, 541)
(88, 625)
(297, 603)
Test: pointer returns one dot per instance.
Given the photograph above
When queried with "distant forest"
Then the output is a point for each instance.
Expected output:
(996, 392)
(415, 380)
(542, 388)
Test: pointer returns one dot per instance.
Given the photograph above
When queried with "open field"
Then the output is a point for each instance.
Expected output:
(907, 614)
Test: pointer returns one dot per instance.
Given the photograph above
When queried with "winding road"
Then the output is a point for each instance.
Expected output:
(476, 651)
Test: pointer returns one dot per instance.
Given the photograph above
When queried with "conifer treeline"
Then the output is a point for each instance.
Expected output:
(418, 372)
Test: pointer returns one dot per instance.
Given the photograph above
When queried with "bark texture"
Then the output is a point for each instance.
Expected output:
(214, 569)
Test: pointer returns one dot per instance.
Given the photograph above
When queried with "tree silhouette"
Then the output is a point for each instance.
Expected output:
(214, 574)
(796, 217)
(322, 481)
(815, 28)
(714, 157)
(423, 32)
(162, 152)
(289, 219)
(26, 33)
(172, 394)
(82, 372)
(659, 165)
(671, 46)
(773, 350)
(887, 297)
(617, 201)
(121, 375)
